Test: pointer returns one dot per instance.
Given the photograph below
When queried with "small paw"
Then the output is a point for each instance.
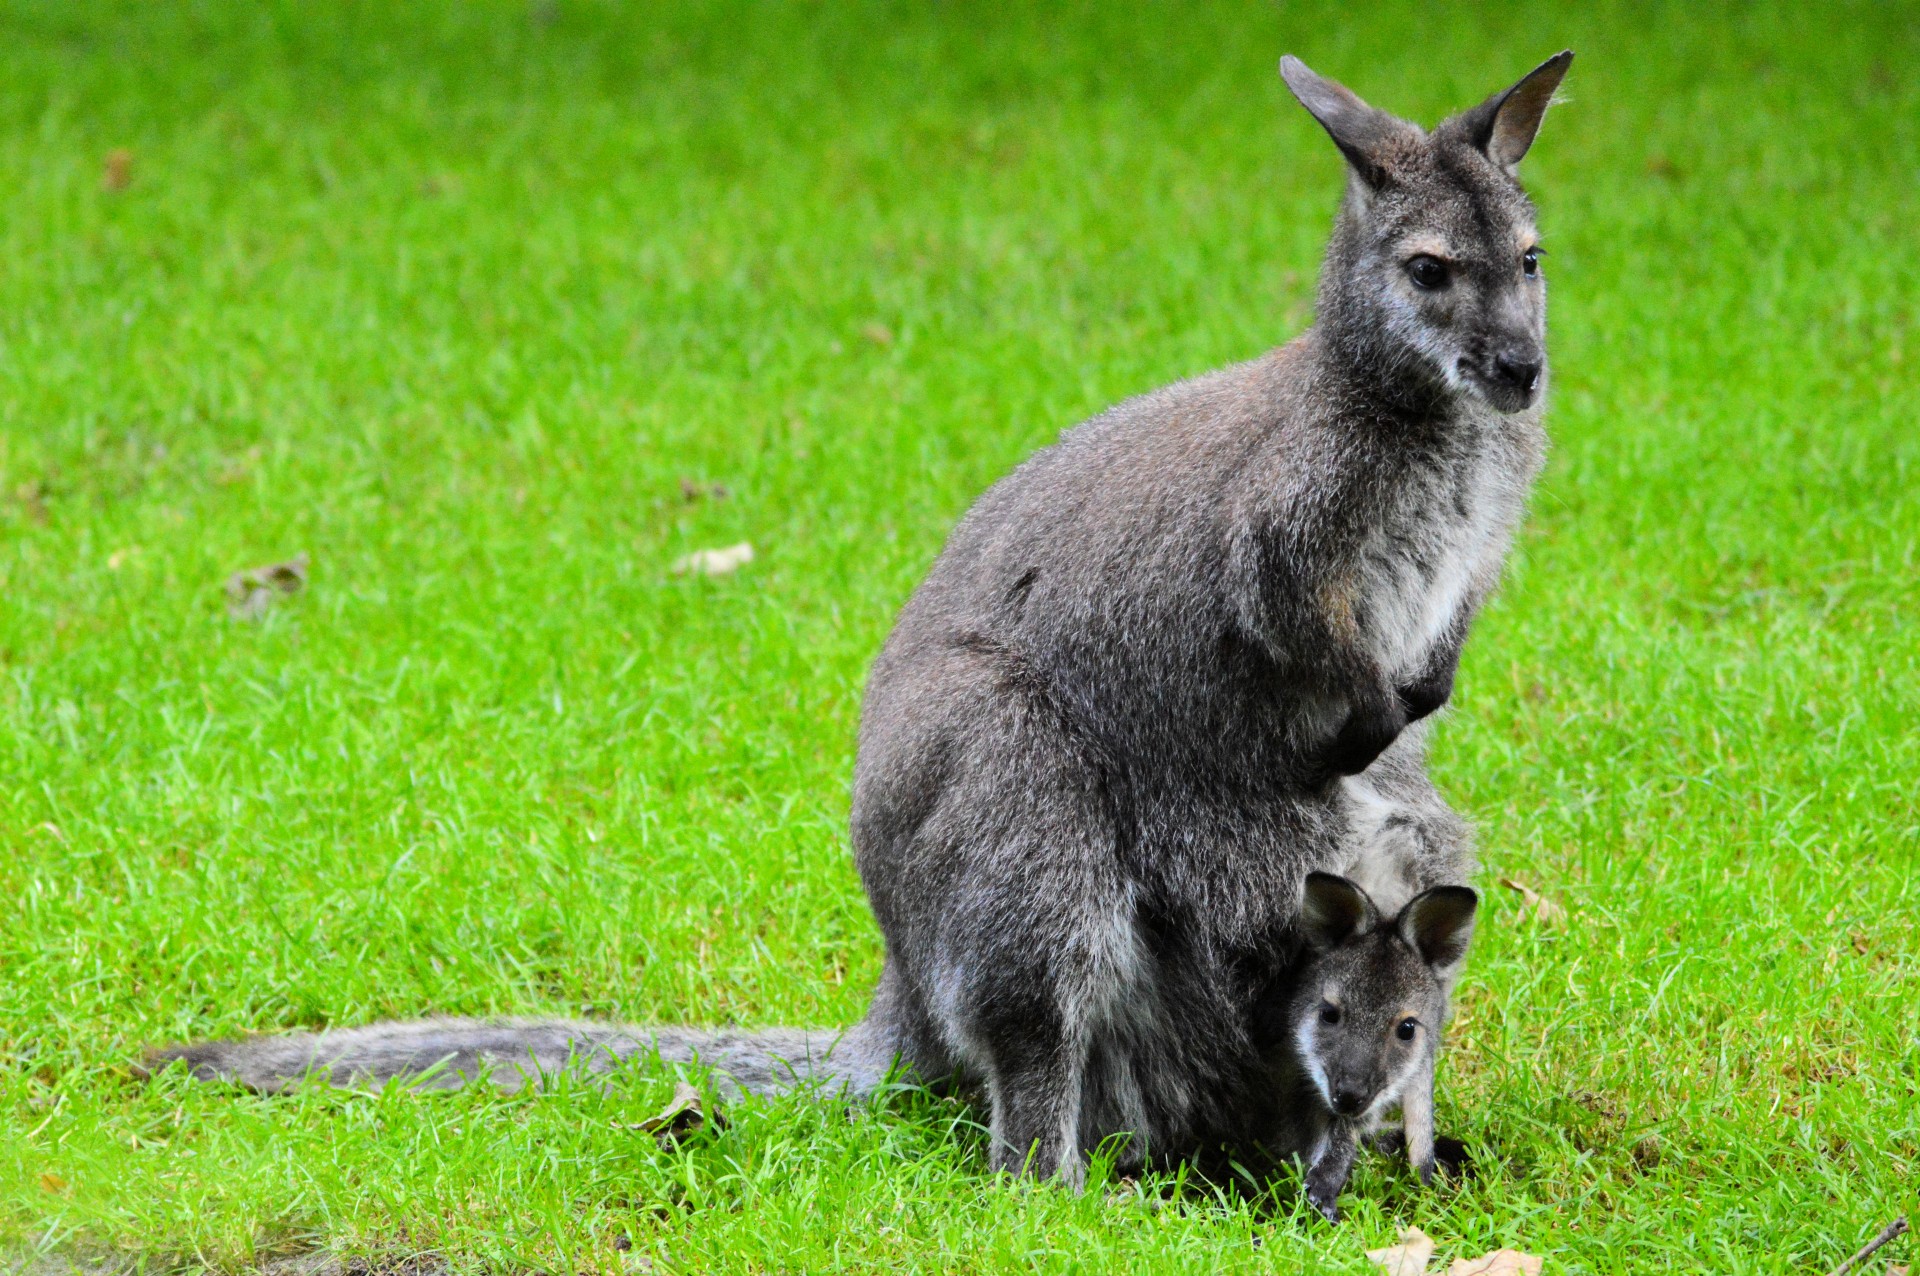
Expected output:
(1424, 697)
(1327, 1202)
(1389, 1142)
(1364, 737)
(1451, 1158)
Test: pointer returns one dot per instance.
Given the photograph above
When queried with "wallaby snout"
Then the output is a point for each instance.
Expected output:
(1352, 1101)
(1510, 379)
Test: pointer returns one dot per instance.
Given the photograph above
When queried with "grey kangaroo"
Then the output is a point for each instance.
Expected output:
(1146, 690)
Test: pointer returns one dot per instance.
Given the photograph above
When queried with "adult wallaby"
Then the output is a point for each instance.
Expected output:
(1129, 709)
(1363, 1016)
(1100, 751)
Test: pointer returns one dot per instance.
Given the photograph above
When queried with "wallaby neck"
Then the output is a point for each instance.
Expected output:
(1372, 382)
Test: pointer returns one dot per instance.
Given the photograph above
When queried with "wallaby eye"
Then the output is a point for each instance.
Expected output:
(1530, 262)
(1427, 271)
(1406, 1029)
(1329, 1013)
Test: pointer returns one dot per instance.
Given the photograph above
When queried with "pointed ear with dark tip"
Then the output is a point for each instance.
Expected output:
(1334, 910)
(1363, 133)
(1504, 125)
(1438, 924)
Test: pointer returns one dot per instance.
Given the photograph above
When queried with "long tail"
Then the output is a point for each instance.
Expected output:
(445, 1054)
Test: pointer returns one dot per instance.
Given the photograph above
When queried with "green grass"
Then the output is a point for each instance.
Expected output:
(452, 298)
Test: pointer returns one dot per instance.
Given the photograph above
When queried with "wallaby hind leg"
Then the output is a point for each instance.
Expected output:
(1038, 1095)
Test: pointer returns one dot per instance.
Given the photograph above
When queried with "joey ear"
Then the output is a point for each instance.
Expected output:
(1334, 910)
(1504, 125)
(1438, 924)
(1363, 133)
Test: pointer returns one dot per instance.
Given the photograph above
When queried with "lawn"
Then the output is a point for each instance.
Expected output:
(475, 304)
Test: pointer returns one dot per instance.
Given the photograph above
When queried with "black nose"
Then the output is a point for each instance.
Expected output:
(1348, 1102)
(1521, 374)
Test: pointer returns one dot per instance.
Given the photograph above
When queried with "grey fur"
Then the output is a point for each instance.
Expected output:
(445, 1054)
(1158, 675)
(1103, 746)
(1367, 1010)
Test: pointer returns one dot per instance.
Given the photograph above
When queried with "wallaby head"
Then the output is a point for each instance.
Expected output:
(1432, 279)
(1371, 999)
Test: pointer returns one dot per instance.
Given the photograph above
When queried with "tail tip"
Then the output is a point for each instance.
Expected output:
(204, 1060)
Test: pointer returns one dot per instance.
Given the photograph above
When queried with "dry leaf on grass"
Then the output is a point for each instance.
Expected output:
(1534, 906)
(878, 333)
(32, 496)
(116, 174)
(691, 491)
(685, 1113)
(714, 562)
(251, 593)
(1502, 1262)
(1408, 1258)
(1415, 1250)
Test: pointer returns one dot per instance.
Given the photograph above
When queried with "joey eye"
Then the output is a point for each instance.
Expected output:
(1406, 1028)
(1530, 262)
(1329, 1013)
(1427, 271)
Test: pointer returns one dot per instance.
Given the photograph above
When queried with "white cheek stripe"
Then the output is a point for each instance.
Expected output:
(1303, 1036)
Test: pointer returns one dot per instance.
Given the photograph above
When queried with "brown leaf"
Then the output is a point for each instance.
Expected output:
(51, 1182)
(714, 562)
(117, 173)
(691, 491)
(684, 1113)
(252, 592)
(1408, 1258)
(878, 333)
(1534, 906)
(32, 496)
(1502, 1262)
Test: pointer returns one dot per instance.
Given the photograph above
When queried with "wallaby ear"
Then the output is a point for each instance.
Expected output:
(1504, 125)
(1363, 133)
(1334, 910)
(1438, 924)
